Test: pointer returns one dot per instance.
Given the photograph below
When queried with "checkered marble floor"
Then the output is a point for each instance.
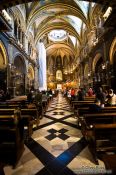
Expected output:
(57, 146)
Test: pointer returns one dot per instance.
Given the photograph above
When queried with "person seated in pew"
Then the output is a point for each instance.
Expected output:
(2, 95)
(38, 101)
(100, 96)
(111, 98)
(76, 94)
(80, 95)
(44, 96)
(30, 97)
(72, 94)
(7, 95)
(44, 100)
(90, 92)
(96, 107)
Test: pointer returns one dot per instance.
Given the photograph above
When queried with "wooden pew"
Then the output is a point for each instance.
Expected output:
(12, 104)
(82, 111)
(11, 139)
(44, 105)
(31, 112)
(97, 118)
(93, 131)
(5, 106)
(87, 98)
(29, 117)
(77, 104)
(101, 139)
(110, 162)
(87, 110)
(100, 126)
(41, 108)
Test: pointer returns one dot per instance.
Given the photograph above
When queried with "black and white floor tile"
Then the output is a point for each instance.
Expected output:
(57, 146)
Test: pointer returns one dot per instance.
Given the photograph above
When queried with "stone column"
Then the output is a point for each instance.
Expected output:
(23, 40)
(36, 82)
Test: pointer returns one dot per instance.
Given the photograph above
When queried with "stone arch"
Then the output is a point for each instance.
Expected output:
(30, 77)
(19, 74)
(31, 73)
(113, 64)
(95, 60)
(3, 56)
(20, 63)
(112, 51)
(18, 17)
(3, 67)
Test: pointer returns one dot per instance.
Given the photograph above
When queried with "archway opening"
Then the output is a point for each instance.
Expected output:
(113, 73)
(19, 77)
(30, 78)
(3, 68)
(99, 77)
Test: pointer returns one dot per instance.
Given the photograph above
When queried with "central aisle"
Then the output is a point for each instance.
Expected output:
(57, 146)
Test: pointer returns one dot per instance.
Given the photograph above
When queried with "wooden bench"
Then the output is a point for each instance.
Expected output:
(87, 98)
(11, 139)
(29, 117)
(88, 120)
(44, 105)
(110, 163)
(82, 111)
(41, 108)
(87, 110)
(101, 139)
(99, 129)
(97, 118)
(5, 106)
(77, 104)
(31, 112)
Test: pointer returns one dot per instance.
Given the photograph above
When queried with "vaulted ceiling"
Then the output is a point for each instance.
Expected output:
(44, 16)
(6, 4)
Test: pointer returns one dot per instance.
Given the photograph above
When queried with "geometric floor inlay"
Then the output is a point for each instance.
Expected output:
(57, 146)
(57, 133)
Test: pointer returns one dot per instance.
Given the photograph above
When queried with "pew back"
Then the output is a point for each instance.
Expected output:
(101, 139)
(11, 139)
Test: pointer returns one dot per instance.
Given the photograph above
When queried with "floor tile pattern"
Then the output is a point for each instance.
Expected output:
(57, 146)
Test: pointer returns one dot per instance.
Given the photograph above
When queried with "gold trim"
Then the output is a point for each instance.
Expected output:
(4, 53)
(31, 74)
(95, 60)
(112, 50)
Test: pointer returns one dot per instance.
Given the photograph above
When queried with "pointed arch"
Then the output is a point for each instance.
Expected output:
(3, 56)
(31, 73)
(95, 60)
(86, 70)
(112, 51)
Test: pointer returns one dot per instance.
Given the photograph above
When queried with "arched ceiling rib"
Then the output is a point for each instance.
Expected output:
(5, 3)
(71, 16)
(60, 49)
(43, 16)
(49, 24)
(57, 9)
(51, 27)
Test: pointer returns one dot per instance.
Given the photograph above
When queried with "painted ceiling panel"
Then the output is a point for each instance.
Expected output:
(73, 39)
(57, 35)
(43, 9)
(75, 22)
(60, 51)
(84, 6)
